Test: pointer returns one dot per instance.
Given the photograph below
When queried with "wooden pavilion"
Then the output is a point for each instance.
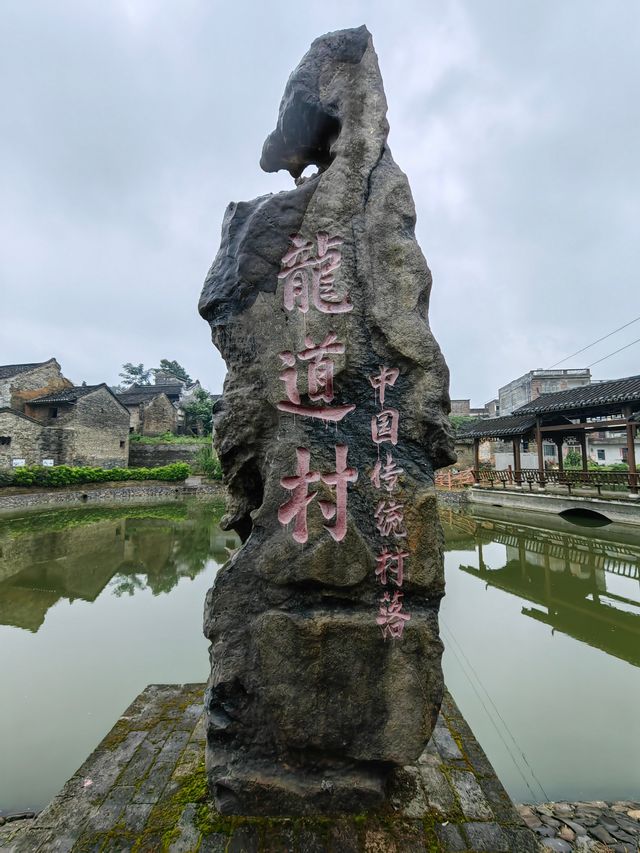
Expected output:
(612, 406)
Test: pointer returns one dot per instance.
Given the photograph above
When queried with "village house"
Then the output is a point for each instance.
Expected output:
(151, 410)
(45, 420)
(159, 408)
(21, 382)
(530, 386)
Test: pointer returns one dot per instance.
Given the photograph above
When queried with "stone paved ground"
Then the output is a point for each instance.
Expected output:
(144, 789)
(595, 826)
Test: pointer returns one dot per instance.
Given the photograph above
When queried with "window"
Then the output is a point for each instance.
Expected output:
(122, 443)
(601, 455)
(130, 430)
(549, 450)
(624, 453)
(5, 439)
(525, 446)
(53, 413)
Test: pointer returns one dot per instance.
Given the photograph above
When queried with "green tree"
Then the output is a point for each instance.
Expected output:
(462, 422)
(573, 459)
(133, 374)
(174, 369)
(198, 416)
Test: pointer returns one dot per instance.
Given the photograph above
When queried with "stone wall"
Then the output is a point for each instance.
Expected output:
(24, 436)
(99, 495)
(155, 455)
(464, 452)
(45, 379)
(158, 416)
(100, 427)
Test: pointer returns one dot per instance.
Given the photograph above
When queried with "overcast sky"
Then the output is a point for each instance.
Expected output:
(128, 125)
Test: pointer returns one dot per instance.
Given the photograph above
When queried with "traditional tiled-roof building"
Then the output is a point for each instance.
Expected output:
(21, 382)
(45, 420)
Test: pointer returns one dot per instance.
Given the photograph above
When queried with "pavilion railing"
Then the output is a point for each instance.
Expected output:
(609, 480)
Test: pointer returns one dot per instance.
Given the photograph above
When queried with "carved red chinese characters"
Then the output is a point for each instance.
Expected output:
(296, 506)
(320, 370)
(389, 512)
(309, 270)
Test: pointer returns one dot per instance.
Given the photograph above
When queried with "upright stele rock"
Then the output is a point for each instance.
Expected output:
(325, 654)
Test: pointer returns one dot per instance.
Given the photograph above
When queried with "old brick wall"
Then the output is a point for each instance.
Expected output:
(154, 455)
(25, 439)
(158, 416)
(100, 431)
(134, 417)
(17, 390)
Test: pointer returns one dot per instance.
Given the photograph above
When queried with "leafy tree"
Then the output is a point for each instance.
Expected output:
(133, 374)
(175, 369)
(573, 459)
(462, 422)
(198, 416)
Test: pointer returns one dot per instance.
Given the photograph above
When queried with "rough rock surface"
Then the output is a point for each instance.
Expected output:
(318, 687)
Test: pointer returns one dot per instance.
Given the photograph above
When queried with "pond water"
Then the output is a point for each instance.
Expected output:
(94, 605)
(541, 625)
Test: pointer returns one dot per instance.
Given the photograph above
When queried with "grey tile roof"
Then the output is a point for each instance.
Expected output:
(9, 370)
(626, 390)
(143, 393)
(66, 395)
(140, 395)
(499, 427)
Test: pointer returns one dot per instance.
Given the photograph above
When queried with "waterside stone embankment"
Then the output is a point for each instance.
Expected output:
(144, 789)
(455, 498)
(14, 501)
(585, 826)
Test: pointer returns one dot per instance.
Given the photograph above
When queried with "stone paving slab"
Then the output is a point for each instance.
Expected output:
(592, 827)
(144, 790)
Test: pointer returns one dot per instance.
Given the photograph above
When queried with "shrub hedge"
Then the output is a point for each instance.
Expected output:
(65, 475)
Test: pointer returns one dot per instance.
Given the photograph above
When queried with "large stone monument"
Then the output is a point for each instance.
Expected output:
(325, 653)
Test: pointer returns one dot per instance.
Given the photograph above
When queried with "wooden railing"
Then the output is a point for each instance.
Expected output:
(455, 479)
(611, 480)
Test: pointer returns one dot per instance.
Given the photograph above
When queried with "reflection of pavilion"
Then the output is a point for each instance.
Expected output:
(587, 584)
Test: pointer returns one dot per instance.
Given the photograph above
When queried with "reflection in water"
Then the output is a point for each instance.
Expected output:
(94, 605)
(541, 625)
(584, 584)
(78, 553)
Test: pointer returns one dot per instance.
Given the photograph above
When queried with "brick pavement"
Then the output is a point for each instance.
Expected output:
(144, 789)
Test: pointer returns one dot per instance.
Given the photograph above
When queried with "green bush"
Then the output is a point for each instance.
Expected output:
(6, 477)
(207, 463)
(169, 438)
(65, 475)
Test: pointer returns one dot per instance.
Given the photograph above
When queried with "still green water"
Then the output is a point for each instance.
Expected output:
(94, 605)
(541, 625)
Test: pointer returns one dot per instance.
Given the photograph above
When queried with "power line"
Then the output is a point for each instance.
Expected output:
(637, 340)
(566, 358)
(448, 631)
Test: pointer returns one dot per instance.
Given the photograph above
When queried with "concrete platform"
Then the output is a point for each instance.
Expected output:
(144, 789)
(625, 511)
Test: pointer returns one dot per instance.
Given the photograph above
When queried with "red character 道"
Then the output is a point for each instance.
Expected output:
(393, 563)
(296, 506)
(319, 378)
(391, 617)
(386, 475)
(387, 376)
(303, 269)
(389, 516)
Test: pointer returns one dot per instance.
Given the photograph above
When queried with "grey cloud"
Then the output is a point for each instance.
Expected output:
(127, 128)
